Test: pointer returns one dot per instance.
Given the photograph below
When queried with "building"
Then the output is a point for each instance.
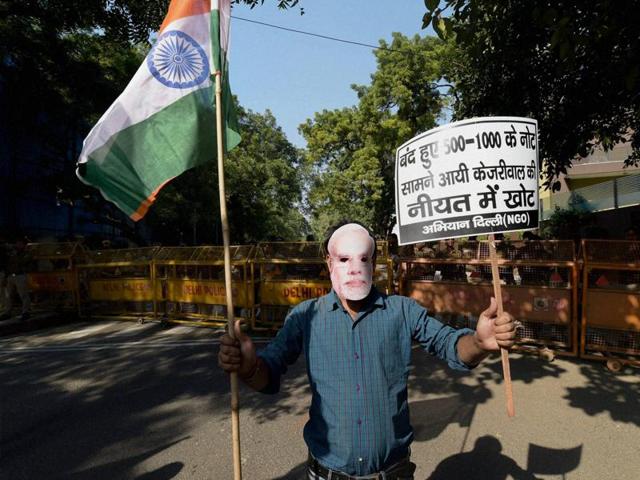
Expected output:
(40, 197)
(600, 184)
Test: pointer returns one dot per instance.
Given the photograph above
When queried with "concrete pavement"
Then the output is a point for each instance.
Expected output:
(122, 400)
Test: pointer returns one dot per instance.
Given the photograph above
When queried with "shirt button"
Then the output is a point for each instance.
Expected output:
(357, 357)
(359, 421)
(358, 387)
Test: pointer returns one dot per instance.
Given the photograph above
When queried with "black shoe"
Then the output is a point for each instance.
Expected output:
(25, 316)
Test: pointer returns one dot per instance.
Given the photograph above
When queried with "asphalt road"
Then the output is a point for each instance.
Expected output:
(117, 400)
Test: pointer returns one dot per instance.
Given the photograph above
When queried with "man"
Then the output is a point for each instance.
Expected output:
(357, 345)
(18, 266)
(4, 259)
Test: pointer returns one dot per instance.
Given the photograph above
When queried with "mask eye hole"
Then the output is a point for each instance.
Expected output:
(343, 259)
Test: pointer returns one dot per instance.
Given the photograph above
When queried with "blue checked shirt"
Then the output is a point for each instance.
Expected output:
(358, 370)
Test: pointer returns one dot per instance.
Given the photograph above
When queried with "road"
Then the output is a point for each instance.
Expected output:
(118, 400)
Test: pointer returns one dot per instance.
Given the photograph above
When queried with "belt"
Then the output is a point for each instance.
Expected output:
(328, 474)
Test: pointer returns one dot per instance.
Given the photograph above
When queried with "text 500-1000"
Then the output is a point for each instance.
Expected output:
(458, 143)
(483, 140)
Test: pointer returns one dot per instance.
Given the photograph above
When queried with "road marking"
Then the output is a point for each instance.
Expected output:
(6, 350)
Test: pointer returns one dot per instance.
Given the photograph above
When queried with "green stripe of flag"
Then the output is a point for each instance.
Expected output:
(140, 158)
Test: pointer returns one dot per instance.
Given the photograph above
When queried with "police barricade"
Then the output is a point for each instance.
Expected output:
(53, 280)
(288, 273)
(539, 287)
(384, 276)
(611, 302)
(190, 285)
(118, 283)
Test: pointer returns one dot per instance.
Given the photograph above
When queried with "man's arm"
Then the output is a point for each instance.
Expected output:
(262, 372)
(469, 351)
(258, 379)
(492, 333)
(239, 355)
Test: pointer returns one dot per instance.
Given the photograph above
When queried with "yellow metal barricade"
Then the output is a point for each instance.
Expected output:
(611, 302)
(190, 284)
(53, 283)
(539, 287)
(385, 274)
(118, 283)
(288, 273)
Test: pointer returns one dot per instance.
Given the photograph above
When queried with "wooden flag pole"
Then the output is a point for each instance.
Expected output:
(235, 403)
(504, 354)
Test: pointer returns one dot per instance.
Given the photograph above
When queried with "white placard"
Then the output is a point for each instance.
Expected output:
(469, 177)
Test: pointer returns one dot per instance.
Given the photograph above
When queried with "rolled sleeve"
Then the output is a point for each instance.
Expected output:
(282, 351)
(435, 337)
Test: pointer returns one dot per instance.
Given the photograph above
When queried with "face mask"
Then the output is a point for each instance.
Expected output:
(350, 262)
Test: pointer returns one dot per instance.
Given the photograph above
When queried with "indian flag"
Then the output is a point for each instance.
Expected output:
(164, 121)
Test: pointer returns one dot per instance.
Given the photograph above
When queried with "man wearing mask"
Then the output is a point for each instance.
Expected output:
(357, 345)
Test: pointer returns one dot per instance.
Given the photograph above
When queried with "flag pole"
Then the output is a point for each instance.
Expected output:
(504, 354)
(235, 403)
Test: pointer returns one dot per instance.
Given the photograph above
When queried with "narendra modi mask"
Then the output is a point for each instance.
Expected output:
(351, 250)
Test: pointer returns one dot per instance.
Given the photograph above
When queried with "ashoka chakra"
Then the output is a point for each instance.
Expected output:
(178, 61)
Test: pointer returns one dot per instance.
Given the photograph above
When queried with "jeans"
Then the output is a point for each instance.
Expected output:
(403, 470)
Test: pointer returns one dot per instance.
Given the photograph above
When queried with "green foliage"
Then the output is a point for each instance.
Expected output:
(573, 66)
(349, 161)
(61, 77)
(264, 182)
(568, 223)
(262, 186)
(282, 4)
(65, 62)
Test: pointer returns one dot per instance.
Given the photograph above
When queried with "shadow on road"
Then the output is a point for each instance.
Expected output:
(170, 470)
(122, 468)
(484, 462)
(65, 412)
(606, 392)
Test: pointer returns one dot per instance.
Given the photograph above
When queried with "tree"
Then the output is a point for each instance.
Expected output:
(573, 66)
(568, 223)
(262, 186)
(55, 80)
(350, 152)
(62, 63)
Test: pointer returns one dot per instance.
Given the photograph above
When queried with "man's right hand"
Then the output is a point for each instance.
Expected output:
(237, 355)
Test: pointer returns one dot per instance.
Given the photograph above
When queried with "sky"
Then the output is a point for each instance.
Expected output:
(296, 75)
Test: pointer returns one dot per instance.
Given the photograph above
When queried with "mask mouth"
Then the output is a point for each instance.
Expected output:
(356, 283)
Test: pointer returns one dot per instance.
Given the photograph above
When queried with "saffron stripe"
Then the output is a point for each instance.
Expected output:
(184, 8)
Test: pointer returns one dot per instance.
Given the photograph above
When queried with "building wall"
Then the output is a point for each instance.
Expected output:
(29, 172)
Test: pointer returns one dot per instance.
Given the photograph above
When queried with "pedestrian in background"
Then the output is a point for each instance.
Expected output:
(4, 259)
(19, 264)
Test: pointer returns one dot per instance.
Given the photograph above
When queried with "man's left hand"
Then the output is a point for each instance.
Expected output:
(495, 331)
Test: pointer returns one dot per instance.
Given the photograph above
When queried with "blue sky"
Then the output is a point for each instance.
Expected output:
(297, 75)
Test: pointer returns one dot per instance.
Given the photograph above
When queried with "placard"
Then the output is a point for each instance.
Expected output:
(470, 177)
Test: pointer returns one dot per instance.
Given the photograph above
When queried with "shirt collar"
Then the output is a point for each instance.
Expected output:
(374, 299)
